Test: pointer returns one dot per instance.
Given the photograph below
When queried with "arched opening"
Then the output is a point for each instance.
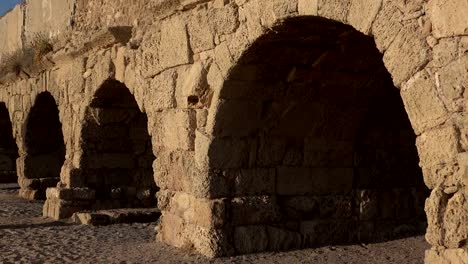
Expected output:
(314, 142)
(117, 151)
(43, 146)
(8, 148)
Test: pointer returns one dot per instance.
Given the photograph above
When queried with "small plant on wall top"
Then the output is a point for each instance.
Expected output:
(41, 45)
(16, 62)
(28, 59)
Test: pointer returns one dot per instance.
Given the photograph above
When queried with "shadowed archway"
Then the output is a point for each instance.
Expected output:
(8, 148)
(117, 151)
(314, 143)
(44, 148)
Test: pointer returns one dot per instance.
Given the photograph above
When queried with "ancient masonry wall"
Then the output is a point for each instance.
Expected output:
(189, 70)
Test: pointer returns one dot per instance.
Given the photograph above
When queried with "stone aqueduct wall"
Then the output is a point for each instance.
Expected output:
(236, 171)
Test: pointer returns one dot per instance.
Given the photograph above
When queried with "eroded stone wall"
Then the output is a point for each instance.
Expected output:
(178, 68)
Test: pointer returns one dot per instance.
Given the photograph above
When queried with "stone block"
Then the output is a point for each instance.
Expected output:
(174, 48)
(456, 221)
(249, 14)
(91, 219)
(61, 209)
(177, 129)
(444, 52)
(199, 31)
(59, 193)
(254, 181)
(202, 148)
(250, 239)
(362, 13)
(409, 46)
(280, 239)
(164, 198)
(223, 20)
(83, 194)
(386, 25)
(435, 207)
(171, 229)
(307, 7)
(334, 9)
(254, 210)
(452, 80)
(335, 206)
(172, 170)
(161, 92)
(202, 116)
(211, 242)
(301, 181)
(422, 102)
(120, 64)
(270, 151)
(442, 174)
(202, 212)
(296, 206)
(437, 146)
(323, 232)
(448, 17)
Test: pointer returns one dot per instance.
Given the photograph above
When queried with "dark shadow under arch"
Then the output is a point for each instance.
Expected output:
(8, 148)
(316, 143)
(44, 145)
(117, 150)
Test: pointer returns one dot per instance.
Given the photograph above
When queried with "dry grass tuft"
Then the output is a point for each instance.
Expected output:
(41, 45)
(28, 59)
(16, 62)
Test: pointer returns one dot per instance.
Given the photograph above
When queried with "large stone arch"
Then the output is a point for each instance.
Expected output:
(112, 160)
(402, 33)
(8, 148)
(43, 148)
(117, 154)
(311, 143)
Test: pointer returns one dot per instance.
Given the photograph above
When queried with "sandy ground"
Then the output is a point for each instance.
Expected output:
(26, 237)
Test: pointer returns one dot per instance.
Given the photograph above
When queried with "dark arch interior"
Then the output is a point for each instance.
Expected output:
(44, 143)
(316, 142)
(8, 148)
(118, 154)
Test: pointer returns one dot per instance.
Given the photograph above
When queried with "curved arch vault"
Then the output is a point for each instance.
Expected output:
(116, 158)
(43, 152)
(314, 143)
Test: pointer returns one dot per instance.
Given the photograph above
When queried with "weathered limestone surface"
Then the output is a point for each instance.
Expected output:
(11, 25)
(267, 122)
